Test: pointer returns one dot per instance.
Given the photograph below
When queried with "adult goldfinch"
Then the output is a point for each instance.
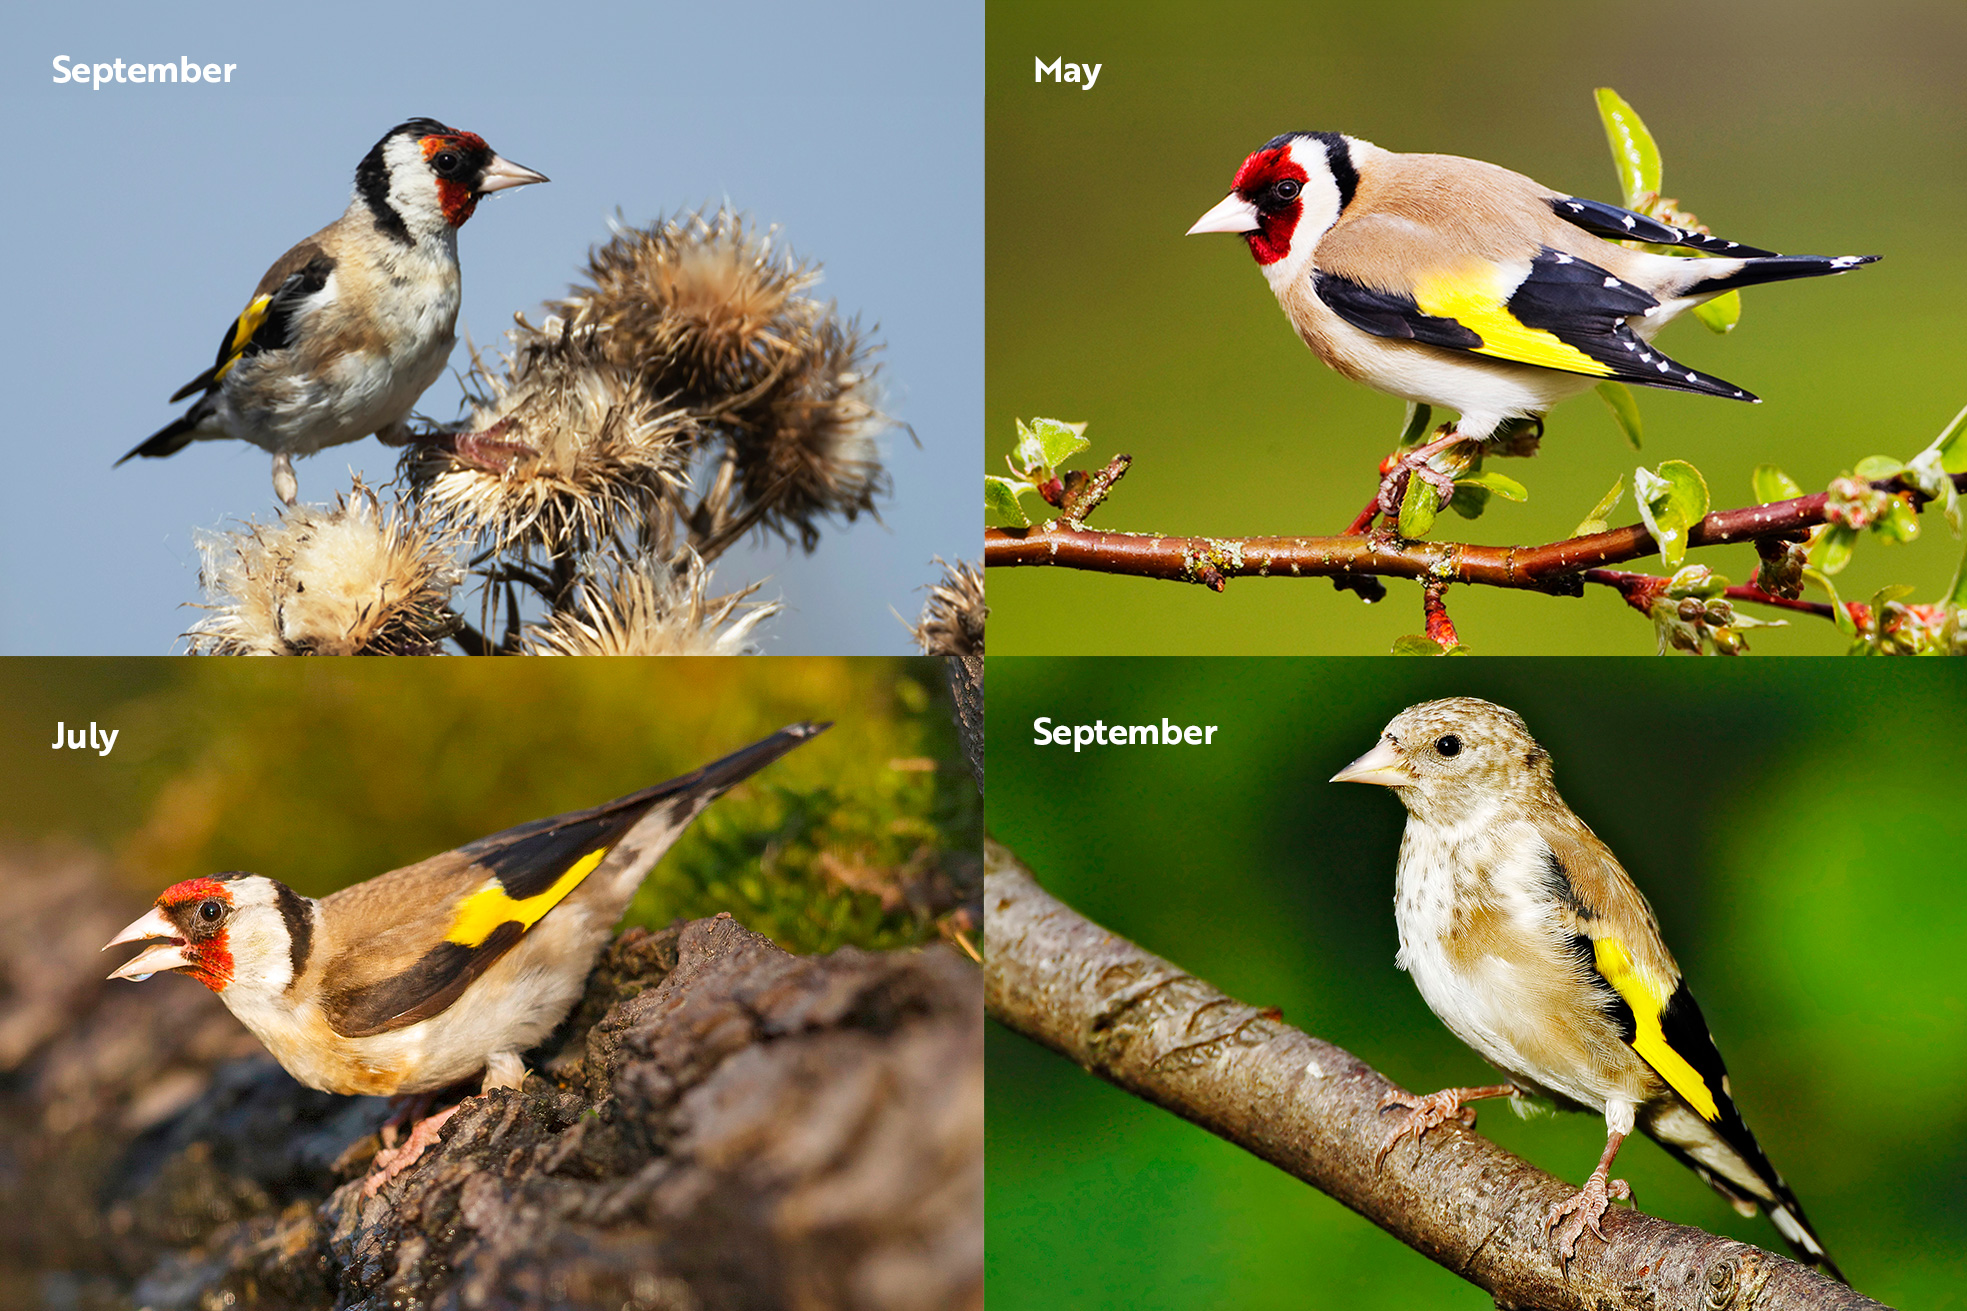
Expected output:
(352, 325)
(1467, 287)
(425, 976)
(1533, 946)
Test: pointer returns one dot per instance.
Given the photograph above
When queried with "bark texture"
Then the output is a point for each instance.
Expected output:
(720, 1124)
(1313, 1110)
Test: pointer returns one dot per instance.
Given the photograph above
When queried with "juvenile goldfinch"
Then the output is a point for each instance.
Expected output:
(352, 325)
(1467, 287)
(429, 974)
(1533, 946)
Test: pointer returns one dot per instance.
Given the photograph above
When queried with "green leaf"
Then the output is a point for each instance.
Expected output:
(1001, 508)
(1953, 451)
(1722, 313)
(1420, 419)
(1957, 593)
(1884, 596)
(1832, 551)
(1877, 468)
(1670, 502)
(1499, 483)
(1417, 644)
(1772, 484)
(1633, 151)
(1029, 455)
(1839, 615)
(1057, 440)
(1689, 488)
(1899, 523)
(1595, 521)
(1417, 507)
(1625, 408)
(1469, 501)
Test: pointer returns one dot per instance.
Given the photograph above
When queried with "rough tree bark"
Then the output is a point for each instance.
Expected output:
(719, 1125)
(1313, 1110)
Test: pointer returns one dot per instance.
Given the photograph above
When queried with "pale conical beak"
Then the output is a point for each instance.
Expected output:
(502, 173)
(1381, 765)
(1235, 214)
(167, 955)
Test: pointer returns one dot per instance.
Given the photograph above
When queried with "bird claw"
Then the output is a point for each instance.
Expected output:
(392, 1161)
(1427, 1112)
(482, 450)
(1586, 1209)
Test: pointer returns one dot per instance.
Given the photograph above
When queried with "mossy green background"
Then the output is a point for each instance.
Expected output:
(324, 773)
(1816, 127)
(1795, 824)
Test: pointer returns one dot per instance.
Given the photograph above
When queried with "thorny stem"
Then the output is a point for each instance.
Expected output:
(1559, 567)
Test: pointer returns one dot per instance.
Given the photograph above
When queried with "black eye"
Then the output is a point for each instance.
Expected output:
(209, 911)
(447, 161)
(1449, 745)
(1286, 189)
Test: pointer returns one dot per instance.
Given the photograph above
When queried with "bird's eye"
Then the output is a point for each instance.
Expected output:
(1287, 189)
(209, 911)
(446, 162)
(1450, 745)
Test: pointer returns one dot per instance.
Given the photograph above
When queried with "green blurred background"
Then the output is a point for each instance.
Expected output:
(324, 773)
(1810, 127)
(1795, 824)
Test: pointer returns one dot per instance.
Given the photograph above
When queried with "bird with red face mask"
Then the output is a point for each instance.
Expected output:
(1464, 286)
(352, 325)
(425, 976)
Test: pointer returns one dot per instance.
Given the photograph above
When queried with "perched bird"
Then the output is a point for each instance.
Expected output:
(425, 976)
(352, 325)
(1467, 287)
(1533, 946)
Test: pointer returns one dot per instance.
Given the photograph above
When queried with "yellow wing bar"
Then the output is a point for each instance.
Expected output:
(489, 907)
(1644, 993)
(1475, 298)
(243, 329)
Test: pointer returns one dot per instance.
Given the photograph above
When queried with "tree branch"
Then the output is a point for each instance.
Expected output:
(1555, 568)
(1312, 1110)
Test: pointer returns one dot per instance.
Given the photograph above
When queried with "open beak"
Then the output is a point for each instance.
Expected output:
(502, 173)
(167, 955)
(1235, 214)
(1381, 765)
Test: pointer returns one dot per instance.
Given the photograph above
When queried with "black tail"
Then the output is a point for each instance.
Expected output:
(1779, 268)
(172, 437)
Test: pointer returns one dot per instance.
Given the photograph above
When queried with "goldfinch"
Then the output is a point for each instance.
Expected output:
(425, 976)
(1468, 287)
(352, 325)
(1533, 946)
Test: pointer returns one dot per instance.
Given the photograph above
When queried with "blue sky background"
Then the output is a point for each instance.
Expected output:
(140, 217)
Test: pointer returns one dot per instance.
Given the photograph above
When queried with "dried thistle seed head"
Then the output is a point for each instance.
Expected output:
(347, 579)
(646, 607)
(812, 453)
(701, 304)
(563, 449)
(952, 622)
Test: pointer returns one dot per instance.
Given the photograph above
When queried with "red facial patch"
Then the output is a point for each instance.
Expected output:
(1270, 240)
(456, 199)
(211, 958)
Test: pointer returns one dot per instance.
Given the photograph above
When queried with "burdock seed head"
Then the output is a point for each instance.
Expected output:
(952, 622)
(347, 579)
(564, 448)
(645, 607)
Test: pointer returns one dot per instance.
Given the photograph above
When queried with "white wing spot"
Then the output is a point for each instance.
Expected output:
(1562, 258)
(1661, 366)
(1627, 220)
(1611, 282)
(1575, 207)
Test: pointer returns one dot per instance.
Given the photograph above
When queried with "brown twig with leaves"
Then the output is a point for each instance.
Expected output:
(1313, 1110)
(1357, 561)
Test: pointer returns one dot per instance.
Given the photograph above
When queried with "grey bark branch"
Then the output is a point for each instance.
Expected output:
(1312, 1109)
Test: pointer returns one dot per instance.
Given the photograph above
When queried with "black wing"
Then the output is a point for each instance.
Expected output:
(1615, 224)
